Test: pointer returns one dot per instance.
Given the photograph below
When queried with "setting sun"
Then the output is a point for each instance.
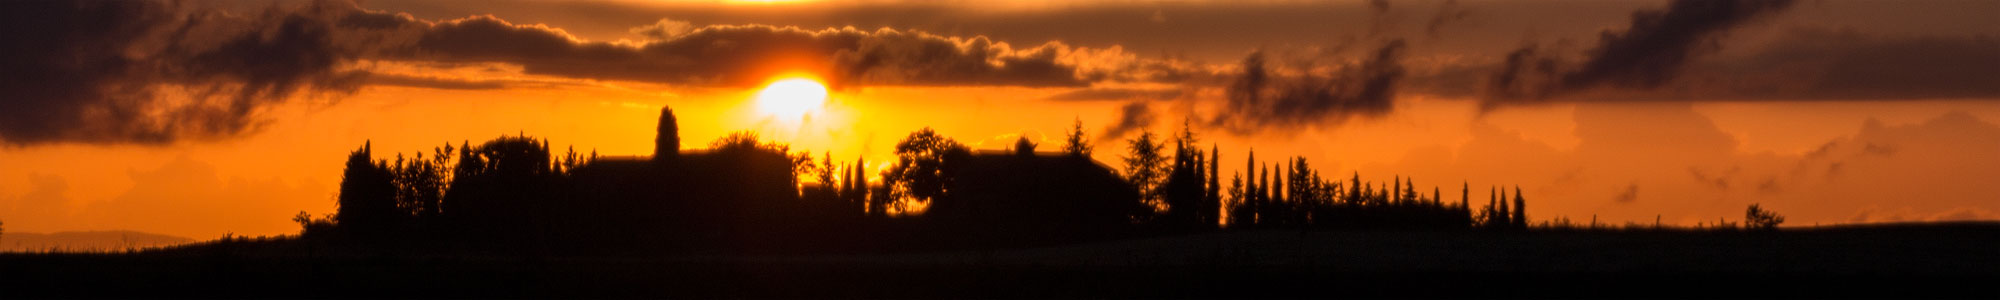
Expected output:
(793, 97)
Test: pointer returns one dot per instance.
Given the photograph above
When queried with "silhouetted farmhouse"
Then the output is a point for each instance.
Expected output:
(1038, 190)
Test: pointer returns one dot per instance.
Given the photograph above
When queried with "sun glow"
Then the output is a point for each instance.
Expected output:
(792, 98)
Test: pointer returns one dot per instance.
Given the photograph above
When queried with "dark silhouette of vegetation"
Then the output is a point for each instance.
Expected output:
(1187, 190)
(1146, 166)
(926, 164)
(1024, 147)
(1075, 144)
(1758, 218)
(667, 140)
(367, 195)
(513, 195)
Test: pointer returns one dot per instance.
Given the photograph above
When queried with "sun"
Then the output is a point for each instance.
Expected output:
(792, 97)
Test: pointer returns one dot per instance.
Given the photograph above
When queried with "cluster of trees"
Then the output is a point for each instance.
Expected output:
(489, 187)
(1186, 191)
(741, 185)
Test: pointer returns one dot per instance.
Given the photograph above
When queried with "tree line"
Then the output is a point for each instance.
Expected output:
(516, 188)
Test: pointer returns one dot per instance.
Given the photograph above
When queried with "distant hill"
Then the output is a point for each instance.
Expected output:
(85, 241)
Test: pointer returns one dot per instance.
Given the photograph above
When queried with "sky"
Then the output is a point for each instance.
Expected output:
(205, 118)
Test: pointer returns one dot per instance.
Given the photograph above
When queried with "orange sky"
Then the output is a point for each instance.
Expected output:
(1698, 152)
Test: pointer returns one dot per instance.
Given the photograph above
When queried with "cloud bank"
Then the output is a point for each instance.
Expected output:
(148, 72)
(159, 72)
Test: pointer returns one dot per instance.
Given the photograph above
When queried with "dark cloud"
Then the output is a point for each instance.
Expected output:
(154, 72)
(1802, 64)
(1657, 44)
(1646, 54)
(1260, 99)
(1447, 12)
(1117, 94)
(1628, 194)
(749, 54)
(1819, 64)
(1133, 116)
(158, 72)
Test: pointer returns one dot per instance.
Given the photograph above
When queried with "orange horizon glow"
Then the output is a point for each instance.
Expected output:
(979, 75)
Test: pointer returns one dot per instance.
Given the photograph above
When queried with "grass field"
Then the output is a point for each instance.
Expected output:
(1951, 259)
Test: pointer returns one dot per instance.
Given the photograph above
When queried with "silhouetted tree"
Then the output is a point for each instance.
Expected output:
(1490, 216)
(1759, 218)
(1239, 208)
(1076, 144)
(1024, 147)
(1184, 189)
(421, 183)
(503, 188)
(1520, 218)
(1396, 189)
(926, 165)
(736, 141)
(367, 203)
(1410, 191)
(1264, 200)
(1146, 166)
(1212, 214)
(1251, 199)
(825, 174)
(1504, 218)
(667, 140)
(1278, 194)
(309, 226)
(858, 183)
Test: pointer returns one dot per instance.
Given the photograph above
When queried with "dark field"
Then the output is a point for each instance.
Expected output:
(1895, 261)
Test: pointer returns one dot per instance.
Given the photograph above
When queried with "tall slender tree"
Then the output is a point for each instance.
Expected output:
(1354, 196)
(1278, 194)
(1396, 189)
(1214, 199)
(1435, 196)
(367, 201)
(667, 140)
(1145, 166)
(1520, 210)
(1506, 218)
(1076, 144)
(1239, 210)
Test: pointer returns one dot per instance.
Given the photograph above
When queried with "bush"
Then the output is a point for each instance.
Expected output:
(1758, 218)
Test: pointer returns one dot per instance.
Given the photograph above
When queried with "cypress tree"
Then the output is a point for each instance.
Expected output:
(1520, 210)
(667, 138)
(1354, 186)
(1435, 196)
(1506, 218)
(1410, 190)
(1214, 202)
(1252, 199)
(1278, 194)
(1492, 199)
(1396, 189)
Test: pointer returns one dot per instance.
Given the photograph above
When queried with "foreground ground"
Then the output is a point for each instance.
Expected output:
(1877, 261)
